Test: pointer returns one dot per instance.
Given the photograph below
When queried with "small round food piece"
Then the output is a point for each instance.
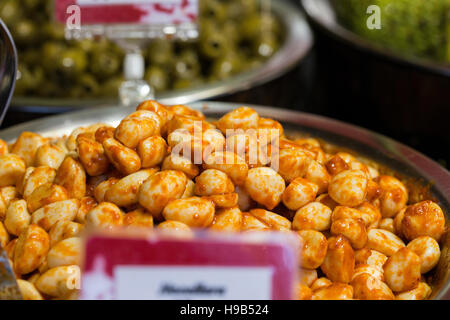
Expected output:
(292, 163)
(370, 257)
(161, 188)
(240, 118)
(59, 281)
(195, 212)
(394, 195)
(138, 126)
(48, 215)
(349, 187)
(229, 220)
(421, 292)
(125, 160)
(138, 218)
(307, 276)
(176, 229)
(26, 146)
(230, 163)
(36, 178)
(185, 165)
(152, 151)
(105, 215)
(428, 251)
(28, 290)
(125, 191)
(303, 292)
(50, 155)
(335, 291)
(65, 253)
(299, 193)
(265, 186)
(273, 220)
(367, 287)
(314, 215)
(72, 177)
(31, 249)
(321, 283)
(387, 224)
(46, 194)
(92, 156)
(384, 241)
(353, 230)
(12, 169)
(211, 182)
(317, 174)
(423, 219)
(336, 165)
(314, 248)
(370, 270)
(339, 263)
(17, 217)
(402, 270)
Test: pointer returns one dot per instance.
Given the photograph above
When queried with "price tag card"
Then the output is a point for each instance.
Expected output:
(147, 12)
(205, 267)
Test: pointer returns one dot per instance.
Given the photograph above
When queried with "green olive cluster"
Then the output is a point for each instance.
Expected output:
(235, 35)
(413, 28)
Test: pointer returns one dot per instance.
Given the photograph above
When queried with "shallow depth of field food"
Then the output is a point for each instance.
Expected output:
(362, 234)
(414, 28)
(235, 35)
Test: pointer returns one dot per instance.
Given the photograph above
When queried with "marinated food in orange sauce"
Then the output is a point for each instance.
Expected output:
(361, 233)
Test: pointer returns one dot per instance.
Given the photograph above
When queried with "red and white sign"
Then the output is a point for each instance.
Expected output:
(199, 268)
(151, 12)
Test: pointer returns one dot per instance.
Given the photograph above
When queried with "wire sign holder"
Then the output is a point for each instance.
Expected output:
(132, 24)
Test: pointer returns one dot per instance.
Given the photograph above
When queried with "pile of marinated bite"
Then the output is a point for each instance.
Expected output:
(360, 237)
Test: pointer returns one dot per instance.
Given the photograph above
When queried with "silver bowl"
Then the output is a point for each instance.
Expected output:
(391, 154)
(298, 41)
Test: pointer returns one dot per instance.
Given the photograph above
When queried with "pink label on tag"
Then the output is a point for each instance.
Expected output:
(204, 268)
(151, 12)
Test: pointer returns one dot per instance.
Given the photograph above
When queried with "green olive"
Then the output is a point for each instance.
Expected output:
(104, 64)
(72, 62)
(54, 31)
(213, 9)
(158, 78)
(257, 25)
(110, 88)
(50, 53)
(161, 52)
(25, 32)
(88, 85)
(225, 66)
(10, 12)
(187, 65)
(213, 44)
(266, 46)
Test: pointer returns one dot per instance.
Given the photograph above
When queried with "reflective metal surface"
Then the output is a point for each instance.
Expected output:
(385, 151)
(8, 69)
(297, 43)
(322, 14)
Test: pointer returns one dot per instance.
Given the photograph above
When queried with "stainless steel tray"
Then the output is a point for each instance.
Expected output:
(297, 43)
(376, 147)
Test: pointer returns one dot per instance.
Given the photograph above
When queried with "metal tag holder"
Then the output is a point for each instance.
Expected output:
(93, 19)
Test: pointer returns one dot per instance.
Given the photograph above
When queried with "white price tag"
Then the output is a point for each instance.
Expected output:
(192, 283)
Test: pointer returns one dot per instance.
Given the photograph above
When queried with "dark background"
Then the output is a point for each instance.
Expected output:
(341, 82)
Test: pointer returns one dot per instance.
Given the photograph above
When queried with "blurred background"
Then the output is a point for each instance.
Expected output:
(395, 80)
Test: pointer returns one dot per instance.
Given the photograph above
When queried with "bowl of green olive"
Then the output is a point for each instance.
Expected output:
(241, 44)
